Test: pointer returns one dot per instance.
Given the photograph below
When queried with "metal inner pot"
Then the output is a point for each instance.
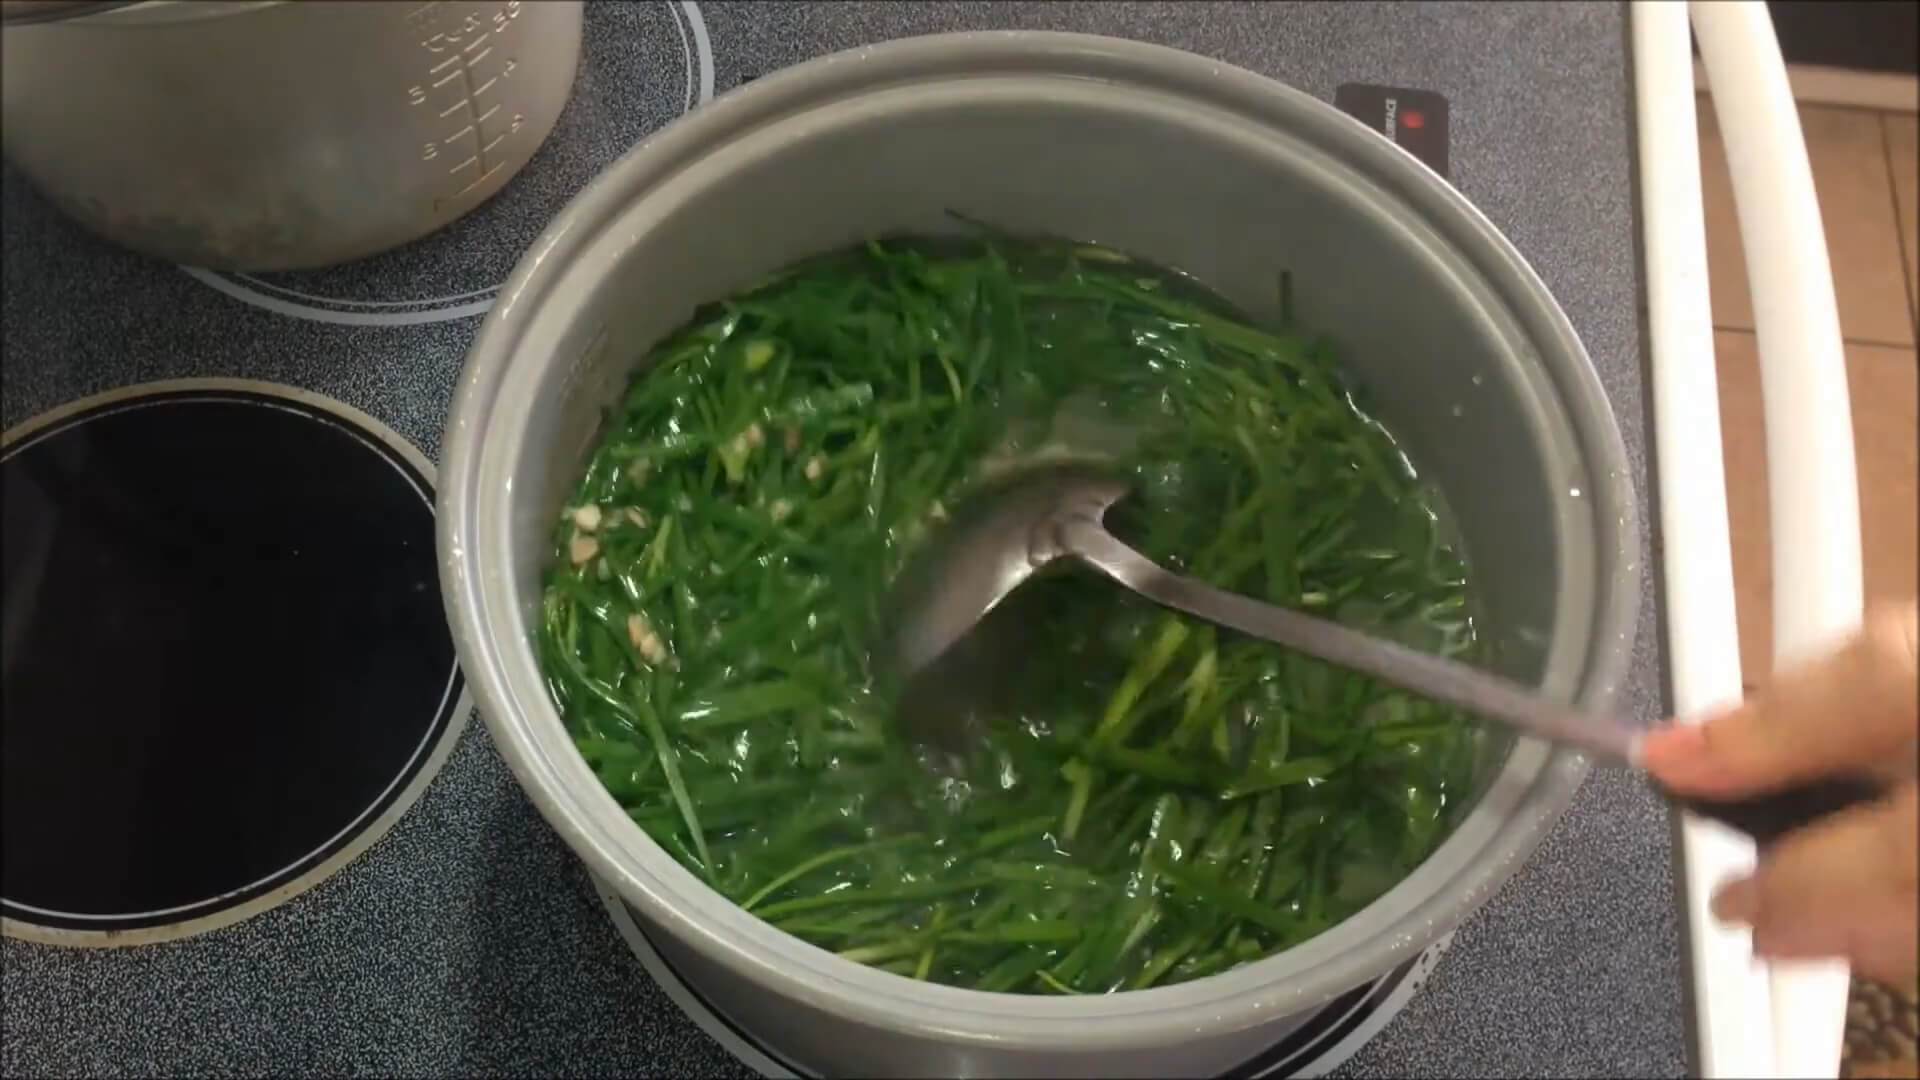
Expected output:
(264, 135)
(1186, 162)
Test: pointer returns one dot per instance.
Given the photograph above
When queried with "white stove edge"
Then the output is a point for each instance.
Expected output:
(1815, 512)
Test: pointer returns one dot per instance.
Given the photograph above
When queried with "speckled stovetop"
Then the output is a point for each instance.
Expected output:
(468, 940)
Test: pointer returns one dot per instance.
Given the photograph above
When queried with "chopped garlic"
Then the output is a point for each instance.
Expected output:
(733, 454)
(637, 516)
(645, 641)
(653, 649)
(938, 512)
(815, 466)
(582, 548)
(587, 518)
(780, 509)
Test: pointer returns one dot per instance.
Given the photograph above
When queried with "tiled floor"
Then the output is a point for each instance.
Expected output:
(1864, 173)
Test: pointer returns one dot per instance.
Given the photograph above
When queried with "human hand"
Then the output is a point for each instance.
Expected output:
(1848, 885)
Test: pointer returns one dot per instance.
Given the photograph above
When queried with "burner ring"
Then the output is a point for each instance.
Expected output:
(341, 838)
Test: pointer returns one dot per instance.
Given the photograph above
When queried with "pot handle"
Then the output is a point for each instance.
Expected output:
(1766, 818)
(1811, 482)
(1815, 511)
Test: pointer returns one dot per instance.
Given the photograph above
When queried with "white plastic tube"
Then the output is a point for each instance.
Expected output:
(1793, 1025)
(1731, 995)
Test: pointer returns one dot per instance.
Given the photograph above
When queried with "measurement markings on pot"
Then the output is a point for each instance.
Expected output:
(473, 96)
(458, 89)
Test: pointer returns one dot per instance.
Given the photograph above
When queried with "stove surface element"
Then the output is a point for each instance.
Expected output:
(225, 656)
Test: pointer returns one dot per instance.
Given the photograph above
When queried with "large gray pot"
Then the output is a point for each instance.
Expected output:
(1185, 161)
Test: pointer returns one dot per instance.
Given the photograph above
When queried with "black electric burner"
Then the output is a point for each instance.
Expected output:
(226, 666)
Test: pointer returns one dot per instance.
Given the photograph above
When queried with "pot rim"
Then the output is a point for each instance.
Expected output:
(1537, 781)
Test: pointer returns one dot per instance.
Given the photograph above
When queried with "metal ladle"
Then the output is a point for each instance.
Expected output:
(1048, 512)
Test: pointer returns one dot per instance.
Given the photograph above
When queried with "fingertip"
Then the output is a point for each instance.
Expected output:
(1736, 901)
(1665, 749)
(1682, 759)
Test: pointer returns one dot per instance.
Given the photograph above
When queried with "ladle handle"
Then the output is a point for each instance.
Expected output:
(1431, 676)
(1764, 817)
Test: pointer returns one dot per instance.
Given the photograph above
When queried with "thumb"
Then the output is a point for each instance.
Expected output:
(1842, 887)
(1850, 710)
